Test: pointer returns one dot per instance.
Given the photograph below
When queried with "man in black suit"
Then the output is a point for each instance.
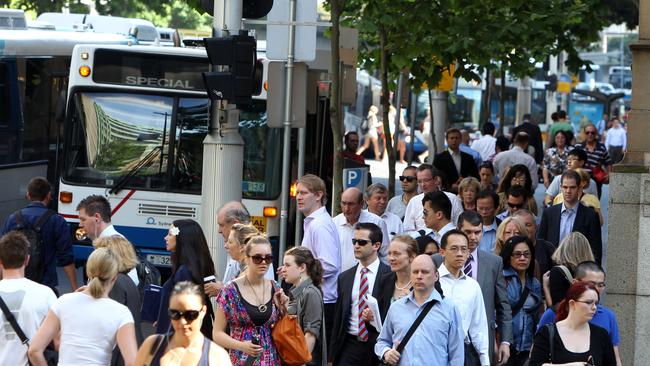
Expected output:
(534, 134)
(560, 220)
(353, 335)
(454, 163)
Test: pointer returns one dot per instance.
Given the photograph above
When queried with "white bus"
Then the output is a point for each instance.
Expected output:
(34, 68)
(135, 122)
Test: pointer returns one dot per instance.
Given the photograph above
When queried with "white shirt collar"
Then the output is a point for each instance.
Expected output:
(444, 272)
(372, 267)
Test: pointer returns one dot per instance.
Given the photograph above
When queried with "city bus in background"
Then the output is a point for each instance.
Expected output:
(136, 118)
(620, 77)
(34, 68)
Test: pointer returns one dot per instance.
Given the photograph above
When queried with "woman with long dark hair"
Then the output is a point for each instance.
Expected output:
(555, 157)
(191, 261)
(305, 273)
(524, 295)
(575, 341)
(517, 175)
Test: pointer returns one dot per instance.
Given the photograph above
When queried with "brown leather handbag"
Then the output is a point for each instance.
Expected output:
(290, 342)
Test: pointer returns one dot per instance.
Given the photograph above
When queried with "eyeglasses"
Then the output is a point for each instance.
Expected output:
(361, 242)
(188, 315)
(515, 205)
(590, 132)
(589, 302)
(458, 249)
(407, 178)
(520, 254)
(258, 259)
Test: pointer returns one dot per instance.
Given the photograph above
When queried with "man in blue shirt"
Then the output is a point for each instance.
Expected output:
(57, 248)
(440, 334)
(605, 318)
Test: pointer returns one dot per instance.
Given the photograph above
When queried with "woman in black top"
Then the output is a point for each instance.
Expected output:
(574, 340)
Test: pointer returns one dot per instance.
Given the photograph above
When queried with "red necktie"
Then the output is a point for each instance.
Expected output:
(363, 290)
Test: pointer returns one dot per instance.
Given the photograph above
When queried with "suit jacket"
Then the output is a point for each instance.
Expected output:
(587, 222)
(535, 138)
(444, 162)
(493, 286)
(343, 309)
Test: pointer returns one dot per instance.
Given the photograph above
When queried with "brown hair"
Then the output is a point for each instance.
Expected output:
(302, 255)
(411, 244)
(243, 232)
(14, 249)
(254, 240)
(314, 184)
(38, 188)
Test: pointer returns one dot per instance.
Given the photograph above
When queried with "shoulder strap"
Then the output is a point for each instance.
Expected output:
(567, 273)
(415, 325)
(20, 221)
(551, 338)
(522, 300)
(12, 320)
(154, 349)
(42, 220)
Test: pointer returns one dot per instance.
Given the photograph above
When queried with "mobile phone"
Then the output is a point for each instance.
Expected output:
(209, 279)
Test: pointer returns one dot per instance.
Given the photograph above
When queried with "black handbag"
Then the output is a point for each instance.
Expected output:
(51, 356)
(472, 358)
(413, 328)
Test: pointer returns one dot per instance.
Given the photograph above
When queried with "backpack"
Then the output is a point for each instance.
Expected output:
(148, 274)
(36, 266)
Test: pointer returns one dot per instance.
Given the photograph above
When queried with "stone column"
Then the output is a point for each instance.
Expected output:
(628, 252)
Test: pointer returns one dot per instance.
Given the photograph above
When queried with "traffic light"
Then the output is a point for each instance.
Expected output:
(241, 78)
(552, 83)
(252, 9)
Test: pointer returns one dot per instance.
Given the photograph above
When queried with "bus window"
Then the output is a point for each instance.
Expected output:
(120, 135)
(191, 128)
(5, 100)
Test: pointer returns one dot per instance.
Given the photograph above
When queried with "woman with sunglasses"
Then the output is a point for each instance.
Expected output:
(305, 273)
(575, 340)
(88, 323)
(191, 261)
(185, 345)
(517, 175)
(249, 306)
(509, 227)
(524, 295)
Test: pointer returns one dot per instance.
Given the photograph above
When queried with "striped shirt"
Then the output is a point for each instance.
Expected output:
(595, 158)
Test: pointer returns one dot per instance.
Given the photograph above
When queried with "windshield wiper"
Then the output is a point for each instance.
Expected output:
(131, 173)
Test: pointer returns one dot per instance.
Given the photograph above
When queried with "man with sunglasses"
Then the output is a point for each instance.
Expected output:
(604, 317)
(577, 158)
(397, 204)
(516, 198)
(597, 155)
(429, 180)
(353, 336)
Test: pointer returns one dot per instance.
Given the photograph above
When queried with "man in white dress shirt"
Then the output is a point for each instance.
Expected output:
(616, 141)
(351, 214)
(465, 292)
(487, 143)
(376, 200)
(429, 180)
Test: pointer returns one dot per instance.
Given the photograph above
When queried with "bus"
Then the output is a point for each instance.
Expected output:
(136, 118)
(34, 68)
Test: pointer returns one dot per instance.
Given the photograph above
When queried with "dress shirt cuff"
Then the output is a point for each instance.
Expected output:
(383, 353)
(506, 343)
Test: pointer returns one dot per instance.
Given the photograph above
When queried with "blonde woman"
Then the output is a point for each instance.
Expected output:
(573, 250)
(124, 291)
(508, 228)
(236, 246)
(467, 191)
(89, 323)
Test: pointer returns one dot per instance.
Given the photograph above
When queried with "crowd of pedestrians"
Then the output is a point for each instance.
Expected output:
(462, 268)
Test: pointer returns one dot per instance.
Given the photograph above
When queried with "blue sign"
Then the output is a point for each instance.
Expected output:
(583, 113)
(352, 177)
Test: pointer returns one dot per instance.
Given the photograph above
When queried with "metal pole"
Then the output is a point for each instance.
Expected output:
(413, 111)
(398, 115)
(284, 207)
(223, 147)
(301, 170)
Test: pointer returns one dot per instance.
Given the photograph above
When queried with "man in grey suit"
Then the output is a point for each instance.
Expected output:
(487, 269)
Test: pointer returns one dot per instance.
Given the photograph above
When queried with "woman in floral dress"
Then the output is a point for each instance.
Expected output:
(247, 306)
(555, 158)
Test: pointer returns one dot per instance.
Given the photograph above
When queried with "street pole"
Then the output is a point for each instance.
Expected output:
(301, 171)
(284, 206)
(223, 147)
(398, 115)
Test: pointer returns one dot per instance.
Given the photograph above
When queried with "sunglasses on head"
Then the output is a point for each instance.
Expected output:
(515, 205)
(258, 259)
(407, 178)
(188, 315)
(361, 242)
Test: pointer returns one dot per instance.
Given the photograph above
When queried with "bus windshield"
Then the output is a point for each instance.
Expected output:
(153, 142)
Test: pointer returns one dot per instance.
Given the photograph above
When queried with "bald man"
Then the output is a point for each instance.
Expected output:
(351, 213)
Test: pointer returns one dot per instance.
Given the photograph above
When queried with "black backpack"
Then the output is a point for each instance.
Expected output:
(36, 266)
(148, 274)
